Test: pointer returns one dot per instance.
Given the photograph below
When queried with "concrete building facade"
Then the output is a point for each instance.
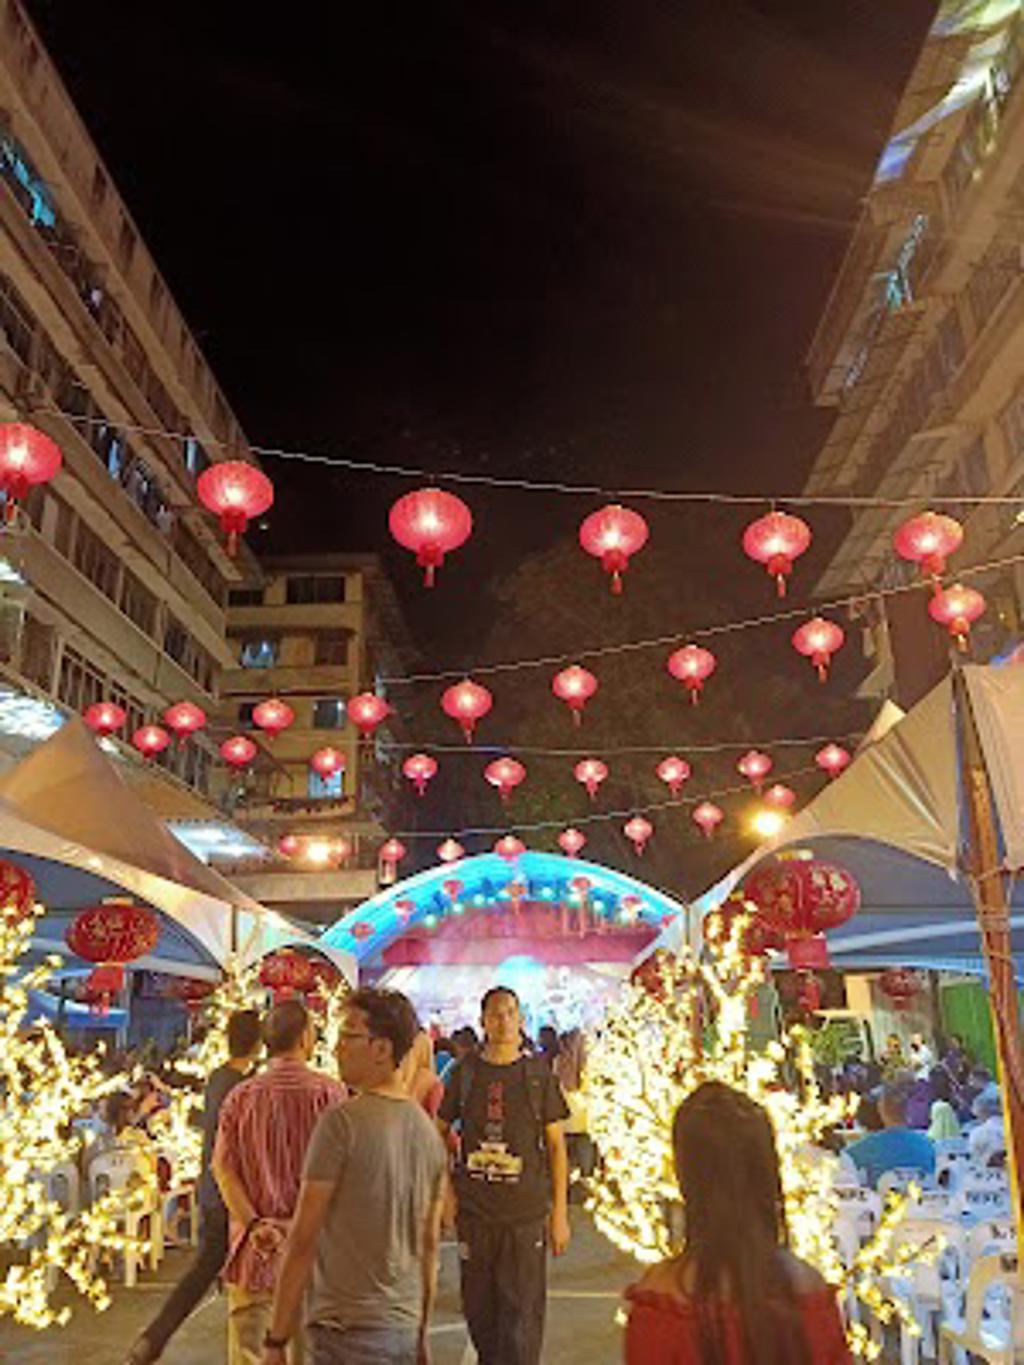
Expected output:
(921, 348)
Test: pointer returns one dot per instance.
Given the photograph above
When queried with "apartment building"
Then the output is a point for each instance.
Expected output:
(921, 347)
(314, 632)
(113, 580)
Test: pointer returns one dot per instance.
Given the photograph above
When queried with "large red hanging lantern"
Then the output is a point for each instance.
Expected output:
(928, 540)
(419, 769)
(238, 751)
(638, 831)
(192, 993)
(111, 935)
(832, 759)
(506, 774)
(366, 710)
(675, 773)
(775, 541)
(184, 718)
(235, 492)
(755, 767)
(392, 851)
(571, 842)
(27, 457)
(509, 847)
(818, 640)
(802, 898)
(431, 523)
(151, 740)
(780, 797)
(707, 817)
(957, 608)
(613, 535)
(327, 762)
(591, 772)
(287, 972)
(273, 716)
(467, 702)
(104, 718)
(901, 985)
(692, 665)
(17, 893)
(575, 686)
(450, 851)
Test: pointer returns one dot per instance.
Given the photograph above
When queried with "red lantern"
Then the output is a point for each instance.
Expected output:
(184, 718)
(780, 796)
(192, 993)
(575, 686)
(405, 909)
(287, 972)
(450, 851)
(235, 491)
(800, 899)
(638, 831)
(692, 665)
(362, 930)
(707, 817)
(419, 769)
(571, 842)
(506, 774)
(327, 762)
(104, 717)
(392, 851)
(957, 608)
(818, 640)
(674, 772)
(431, 523)
(509, 848)
(288, 845)
(17, 893)
(238, 751)
(27, 457)
(833, 759)
(151, 740)
(928, 540)
(755, 767)
(900, 984)
(775, 541)
(467, 702)
(272, 716)
(613, 536)
(115, 932)
(368, 711)
(453, 889)
(591, 772)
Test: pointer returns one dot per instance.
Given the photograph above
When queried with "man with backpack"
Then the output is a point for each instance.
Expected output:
(511, 1184)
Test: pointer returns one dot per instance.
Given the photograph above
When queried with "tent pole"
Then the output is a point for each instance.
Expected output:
(984, 866)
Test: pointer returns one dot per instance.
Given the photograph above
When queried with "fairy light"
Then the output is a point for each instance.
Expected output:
(42, 1090)
(686, 1025)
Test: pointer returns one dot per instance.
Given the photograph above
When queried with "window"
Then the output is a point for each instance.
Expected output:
(325, 788)
(137, 602)
(258, 652)
(306, 588)
(245, 597)
(95, 561)
(245, 710)
(328, 713)
(196, 458)
(331, 650)
(188, 653)
(79, 684)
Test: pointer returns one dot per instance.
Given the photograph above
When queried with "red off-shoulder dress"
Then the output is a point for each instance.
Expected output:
(662, 1330)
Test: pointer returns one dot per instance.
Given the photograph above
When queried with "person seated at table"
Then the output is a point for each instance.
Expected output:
(728, 1298)
(896, 1145)
(987, 1138)
(121, 1137)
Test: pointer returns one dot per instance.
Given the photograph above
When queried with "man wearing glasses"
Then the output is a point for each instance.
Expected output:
(367, 1225)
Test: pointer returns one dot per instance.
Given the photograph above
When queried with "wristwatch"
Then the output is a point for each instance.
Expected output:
(271, 1343)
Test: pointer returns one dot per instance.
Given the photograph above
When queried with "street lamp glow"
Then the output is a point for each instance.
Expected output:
(318, 853)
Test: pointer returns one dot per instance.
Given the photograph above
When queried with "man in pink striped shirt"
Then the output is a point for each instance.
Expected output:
(265, 1127)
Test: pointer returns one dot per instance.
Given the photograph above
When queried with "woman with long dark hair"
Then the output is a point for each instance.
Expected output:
(736, 1295)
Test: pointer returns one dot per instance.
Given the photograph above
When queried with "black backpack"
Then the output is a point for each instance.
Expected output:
(537, 1076)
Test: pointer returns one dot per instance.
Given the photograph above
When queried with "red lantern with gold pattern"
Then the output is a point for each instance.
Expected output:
(802, 898)
(287, 971)
(27, 457)
(901, 985)
(613, 535)
(235, 492)
(110, 935)
(818, 640)
(272, 716)
(775, 541)
(366, 710)
(692, 665)
(431, 523)
(575, 686)
(467, 702)
(104, 718)
(17, 893)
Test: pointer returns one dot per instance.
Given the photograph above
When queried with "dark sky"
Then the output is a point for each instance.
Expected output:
(587, 239)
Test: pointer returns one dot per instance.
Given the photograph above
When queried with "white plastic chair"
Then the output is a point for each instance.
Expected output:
(982, 1197)
(928, 1285)
(116, 1172)
(996, 1340)
(862, 1205)
(178, 1199)
(902, 1176)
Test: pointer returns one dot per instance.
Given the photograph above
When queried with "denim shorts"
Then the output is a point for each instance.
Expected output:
(362, 1345)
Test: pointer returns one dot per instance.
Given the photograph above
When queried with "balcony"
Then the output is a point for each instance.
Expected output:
(307, 888)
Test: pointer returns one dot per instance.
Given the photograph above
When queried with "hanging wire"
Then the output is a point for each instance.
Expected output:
(604, 750)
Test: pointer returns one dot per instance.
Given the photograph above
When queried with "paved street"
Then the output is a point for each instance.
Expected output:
(581, 1317)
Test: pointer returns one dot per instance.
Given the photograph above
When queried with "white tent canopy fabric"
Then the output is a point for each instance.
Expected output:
(67, 802)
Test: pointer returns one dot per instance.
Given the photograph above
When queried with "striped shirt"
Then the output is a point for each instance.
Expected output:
(264, 1130)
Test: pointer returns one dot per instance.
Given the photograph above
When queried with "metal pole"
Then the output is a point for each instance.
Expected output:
(984, 865)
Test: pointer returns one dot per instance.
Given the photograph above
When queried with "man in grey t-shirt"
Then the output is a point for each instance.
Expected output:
(367, 1225)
